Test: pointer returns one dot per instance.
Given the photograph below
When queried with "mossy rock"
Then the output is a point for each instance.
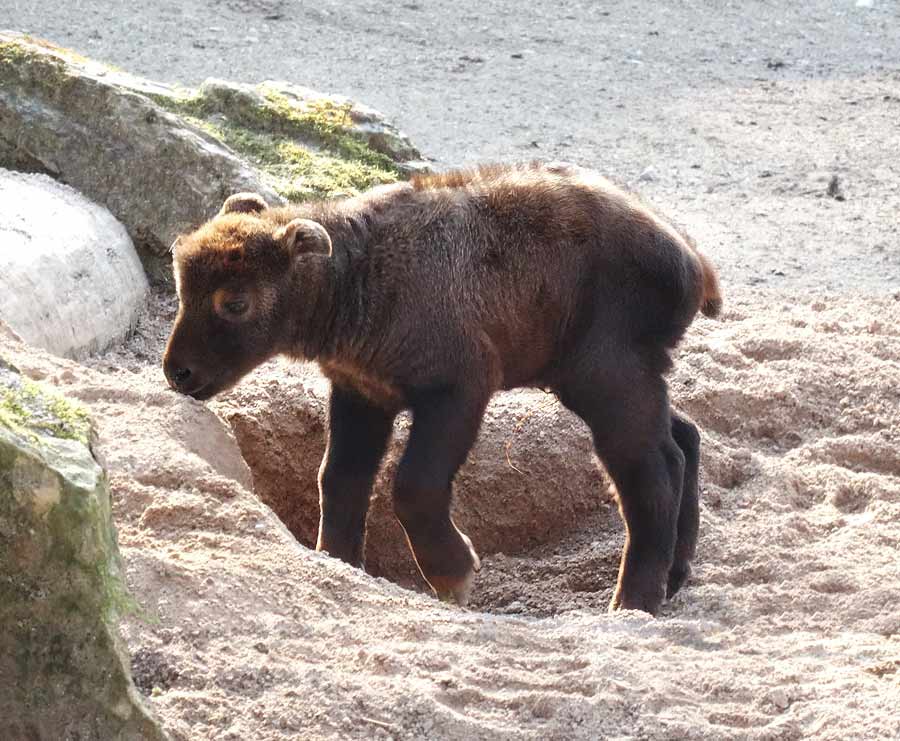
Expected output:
(163, 159)
(304, 154)
(65, 674)
(311, 145)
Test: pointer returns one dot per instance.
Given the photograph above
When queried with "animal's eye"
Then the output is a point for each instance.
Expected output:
(235, 307)
(231, 304)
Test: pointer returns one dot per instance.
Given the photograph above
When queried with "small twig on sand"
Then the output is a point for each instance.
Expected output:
(379, 723)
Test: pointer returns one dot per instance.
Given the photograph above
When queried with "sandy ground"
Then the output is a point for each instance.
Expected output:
(788, 629)
(732, 117)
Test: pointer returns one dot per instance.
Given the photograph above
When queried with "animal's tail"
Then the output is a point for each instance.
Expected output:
(711, 304)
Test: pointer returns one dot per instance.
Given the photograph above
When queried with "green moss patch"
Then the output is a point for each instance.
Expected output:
(328, 123)
(13, 53)
(307, 150)
(20, 51)
(297, 172)
(20, 61)
(31, 411)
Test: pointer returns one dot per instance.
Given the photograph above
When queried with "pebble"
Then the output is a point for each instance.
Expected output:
(780, 699)
(835, 188)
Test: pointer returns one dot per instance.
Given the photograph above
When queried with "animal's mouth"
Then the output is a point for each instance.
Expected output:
(203, 392)
(202, 387)
(207, 390)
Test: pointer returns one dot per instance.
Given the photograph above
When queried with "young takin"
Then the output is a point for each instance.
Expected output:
(434, 294)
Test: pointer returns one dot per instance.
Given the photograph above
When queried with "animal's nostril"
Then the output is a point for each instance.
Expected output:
(181, 375)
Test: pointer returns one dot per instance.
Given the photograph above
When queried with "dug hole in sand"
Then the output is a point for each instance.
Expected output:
(788, 628)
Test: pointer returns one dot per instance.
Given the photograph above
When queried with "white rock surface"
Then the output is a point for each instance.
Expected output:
(70, 279)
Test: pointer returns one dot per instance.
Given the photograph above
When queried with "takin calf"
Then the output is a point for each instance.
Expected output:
(431, 296)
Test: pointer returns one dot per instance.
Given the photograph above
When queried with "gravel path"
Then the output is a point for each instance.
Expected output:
(733, 118)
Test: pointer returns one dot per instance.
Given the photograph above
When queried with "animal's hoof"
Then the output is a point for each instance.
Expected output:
(459, 592)
(644, 602)
(677, 577)
(450, 570)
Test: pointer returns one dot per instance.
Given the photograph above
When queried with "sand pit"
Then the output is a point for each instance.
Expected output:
(788, 629)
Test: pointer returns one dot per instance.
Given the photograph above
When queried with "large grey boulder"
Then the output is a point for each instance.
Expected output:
(71, 281)
(64, 674)
(163, 159)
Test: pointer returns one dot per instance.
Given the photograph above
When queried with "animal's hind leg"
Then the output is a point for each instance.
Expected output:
(686, 435)
(627, 410)
(649, 499)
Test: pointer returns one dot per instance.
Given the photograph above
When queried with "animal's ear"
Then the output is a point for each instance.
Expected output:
(303, 236)
(244, 203)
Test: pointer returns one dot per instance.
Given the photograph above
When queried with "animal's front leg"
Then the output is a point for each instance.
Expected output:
(445, 425)
(358, 434)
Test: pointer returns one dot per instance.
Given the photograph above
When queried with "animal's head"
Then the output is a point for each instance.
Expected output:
(234, 276)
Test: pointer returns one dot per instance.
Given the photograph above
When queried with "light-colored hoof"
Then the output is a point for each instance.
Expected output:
(464, 590)
(458, 594)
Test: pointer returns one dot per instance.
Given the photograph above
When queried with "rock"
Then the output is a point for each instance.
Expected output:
(70, 279)
(314, 120)
(531, 476)
(779, 698)
(6, 332)
(648, 175)
(163, 159)
(363, 122)
(63, 668)
(98, 130)
(835, 189)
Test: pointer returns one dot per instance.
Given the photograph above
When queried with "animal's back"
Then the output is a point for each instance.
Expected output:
(521, 259)
(564, 235)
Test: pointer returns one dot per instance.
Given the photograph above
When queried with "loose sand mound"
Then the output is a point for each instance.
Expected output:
(788, 629)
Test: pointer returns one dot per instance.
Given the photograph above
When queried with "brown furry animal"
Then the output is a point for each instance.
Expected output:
(434, 294)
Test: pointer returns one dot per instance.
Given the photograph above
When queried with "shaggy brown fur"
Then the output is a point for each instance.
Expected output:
(434, 294)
